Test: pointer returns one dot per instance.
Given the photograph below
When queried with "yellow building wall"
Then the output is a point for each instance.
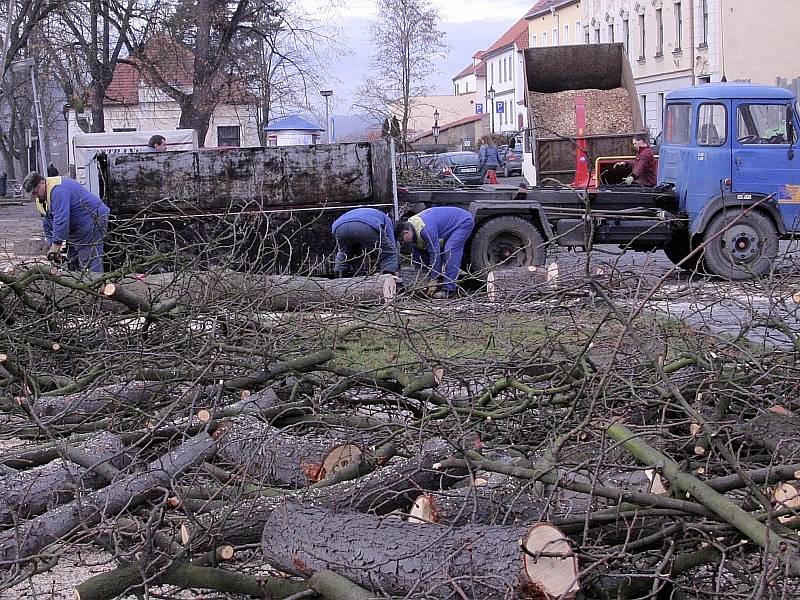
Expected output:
(566, 16)
(761, 41)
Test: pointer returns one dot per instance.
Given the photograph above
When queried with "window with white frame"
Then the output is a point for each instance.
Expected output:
(597, 34)
(611, 32)
(555, 37)
(626, 35)
(586, 34)
(704, 38)
(491, 73)
(533, 41)
(565, 41)
(678, 27)
(544, 38)
(643, 104)
(577, 32)
(659, 32)
(642, 38)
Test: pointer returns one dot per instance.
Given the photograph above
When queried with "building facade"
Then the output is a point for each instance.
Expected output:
(505, 93)
(555, 23)
(673, 44)
(134, 103)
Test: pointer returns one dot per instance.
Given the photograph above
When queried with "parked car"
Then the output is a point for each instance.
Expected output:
(510, 162)
(463, 165)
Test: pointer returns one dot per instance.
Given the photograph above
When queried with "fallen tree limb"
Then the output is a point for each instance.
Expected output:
(387, 556)
(725, 510)
(29, 493)
(34, 535)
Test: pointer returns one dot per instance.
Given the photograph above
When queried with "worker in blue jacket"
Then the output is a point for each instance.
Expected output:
(438, 236)
(362, 231)
(70, 213)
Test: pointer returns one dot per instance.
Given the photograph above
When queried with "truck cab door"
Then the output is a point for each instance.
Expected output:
(764, 157)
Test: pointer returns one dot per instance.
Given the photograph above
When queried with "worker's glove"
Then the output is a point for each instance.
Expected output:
(628, 180)
(56, 258)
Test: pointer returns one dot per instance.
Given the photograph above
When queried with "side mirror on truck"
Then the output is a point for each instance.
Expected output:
(790, 133)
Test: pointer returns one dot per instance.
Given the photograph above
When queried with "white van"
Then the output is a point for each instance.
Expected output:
(85, 146)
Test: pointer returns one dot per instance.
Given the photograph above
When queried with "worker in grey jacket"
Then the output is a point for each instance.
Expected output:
(360, 232)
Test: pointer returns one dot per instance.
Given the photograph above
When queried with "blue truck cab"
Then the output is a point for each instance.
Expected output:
(730, 151)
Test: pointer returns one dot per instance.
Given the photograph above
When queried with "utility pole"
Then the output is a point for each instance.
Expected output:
(20, 66)
(327, 94)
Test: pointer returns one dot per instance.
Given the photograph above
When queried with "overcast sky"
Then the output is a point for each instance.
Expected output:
(469, 26)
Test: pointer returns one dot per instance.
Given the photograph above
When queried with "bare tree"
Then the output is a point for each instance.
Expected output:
(95, 32)
(201, 38)
(406, 41)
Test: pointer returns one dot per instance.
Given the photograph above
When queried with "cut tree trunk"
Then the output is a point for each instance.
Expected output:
(388, 556)
(32, 536)
(271, 456)
(82, 406)
(503, 285)
(29, 493)
(392, 487)
(776, 431)
(492, 499)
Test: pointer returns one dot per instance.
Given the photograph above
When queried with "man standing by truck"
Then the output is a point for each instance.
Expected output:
(643, 167)
(70, 213)
(359, 232)
(438, 236)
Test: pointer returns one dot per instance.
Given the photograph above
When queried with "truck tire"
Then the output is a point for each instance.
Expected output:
(679, 248)
(744, 250)
(506, 242)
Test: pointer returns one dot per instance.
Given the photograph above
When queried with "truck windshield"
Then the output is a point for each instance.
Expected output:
(763, 124)
(677, 124)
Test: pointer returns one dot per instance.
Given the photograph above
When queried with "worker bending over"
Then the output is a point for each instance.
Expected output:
(70, 213)
(437, 237)
(358, 233)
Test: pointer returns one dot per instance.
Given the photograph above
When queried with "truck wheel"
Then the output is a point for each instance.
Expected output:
(507, 241)
(679, 248)
(744, 250)
(505, 171)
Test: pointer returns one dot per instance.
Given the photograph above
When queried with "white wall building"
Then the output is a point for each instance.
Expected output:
(505, 80)
(679, 43)
(133, 103)
(660, 41)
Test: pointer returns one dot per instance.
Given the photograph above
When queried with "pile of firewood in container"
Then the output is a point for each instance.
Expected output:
(607, 111)
(207, 441)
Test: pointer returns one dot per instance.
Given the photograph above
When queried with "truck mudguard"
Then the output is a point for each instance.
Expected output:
(738, 201)
(482, 210)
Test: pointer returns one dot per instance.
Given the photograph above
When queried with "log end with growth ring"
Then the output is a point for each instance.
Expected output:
(338, 458)
(109, 289)
(786, 495)
(550, 567)
(423, 510)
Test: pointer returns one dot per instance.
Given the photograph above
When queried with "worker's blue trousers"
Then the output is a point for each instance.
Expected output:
(454, 253)
(86, 253)
(355, 241)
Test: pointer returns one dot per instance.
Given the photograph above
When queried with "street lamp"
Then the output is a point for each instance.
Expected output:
(327, 94)
(20, 66)
(491, 97)
(435, 128)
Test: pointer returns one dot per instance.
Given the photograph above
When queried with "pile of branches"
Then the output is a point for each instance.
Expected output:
(234, 432)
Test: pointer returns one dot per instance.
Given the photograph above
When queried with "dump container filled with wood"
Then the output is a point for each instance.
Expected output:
(607, 112)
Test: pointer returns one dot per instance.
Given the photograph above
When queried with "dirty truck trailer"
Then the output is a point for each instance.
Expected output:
(264, 208)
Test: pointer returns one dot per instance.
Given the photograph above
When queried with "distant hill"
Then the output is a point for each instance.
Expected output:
(351, 126)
